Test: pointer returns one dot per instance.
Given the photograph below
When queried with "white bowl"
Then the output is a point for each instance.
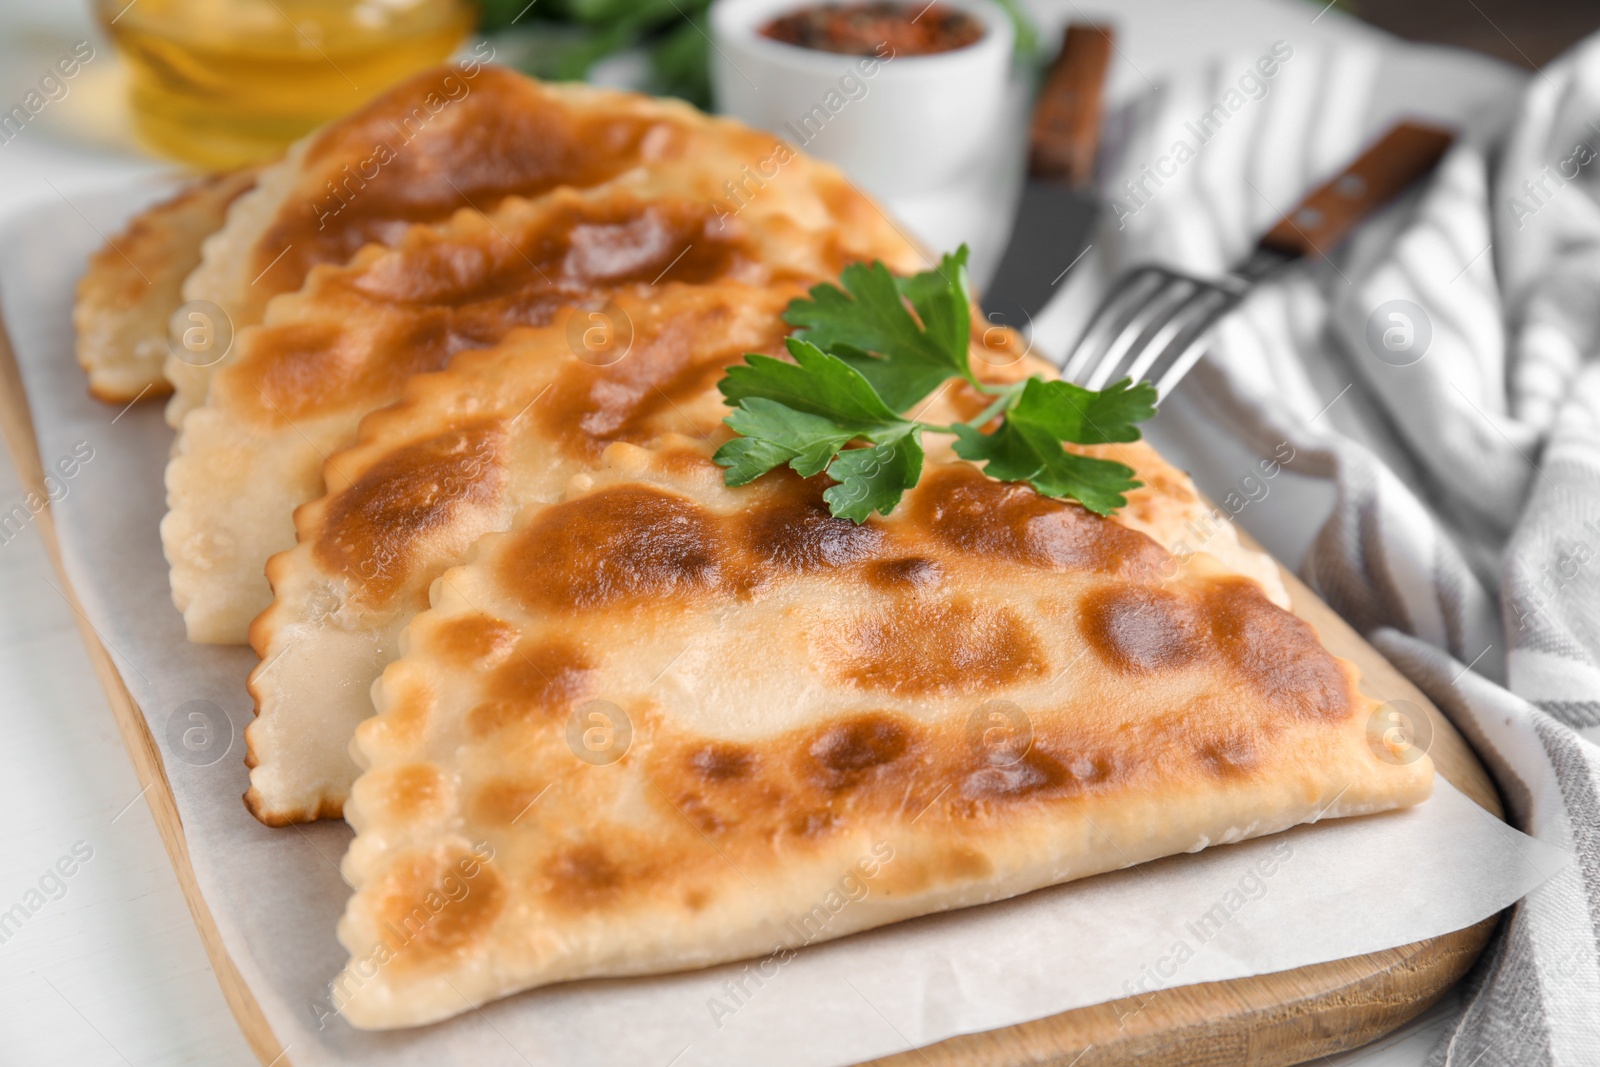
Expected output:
(897, 126)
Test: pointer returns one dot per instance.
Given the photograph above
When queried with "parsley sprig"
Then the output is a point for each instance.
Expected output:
(861, 358)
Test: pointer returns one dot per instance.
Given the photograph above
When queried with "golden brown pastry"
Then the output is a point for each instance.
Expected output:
(458, 136)
(134, 283)
(655, 725)
(641, 203)
(467, 448)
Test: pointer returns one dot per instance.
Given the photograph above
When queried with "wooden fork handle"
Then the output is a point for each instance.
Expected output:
(1065, 132)
(1407, 152)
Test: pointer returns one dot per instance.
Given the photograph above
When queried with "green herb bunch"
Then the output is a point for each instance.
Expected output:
(861, 358)
(562, 39)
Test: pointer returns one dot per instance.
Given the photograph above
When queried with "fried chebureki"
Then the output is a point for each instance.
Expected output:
(467, 448)
(453, 459)
(628, 719)
(458, 136)
(295, 387)
(649, 727)
(134, 283)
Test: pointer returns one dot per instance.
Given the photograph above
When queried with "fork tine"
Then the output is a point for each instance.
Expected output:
(1202, 302)
(1180, 366)
(1124, 297)
(1190, 345)
(1167, 301)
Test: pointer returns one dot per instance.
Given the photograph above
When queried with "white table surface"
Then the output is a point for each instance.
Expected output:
(113, 972)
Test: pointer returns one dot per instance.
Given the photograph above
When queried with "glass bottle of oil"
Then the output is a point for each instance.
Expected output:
(222, 83)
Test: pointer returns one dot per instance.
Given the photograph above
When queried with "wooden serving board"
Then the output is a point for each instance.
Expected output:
(1265, 1021)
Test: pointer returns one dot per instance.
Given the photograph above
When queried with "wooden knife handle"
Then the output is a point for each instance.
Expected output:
(1314, 228)
(1065, 131)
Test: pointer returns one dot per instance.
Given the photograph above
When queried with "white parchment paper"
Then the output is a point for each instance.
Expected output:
(1316, 893)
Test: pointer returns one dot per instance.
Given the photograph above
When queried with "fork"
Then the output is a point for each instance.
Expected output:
(1153, 322)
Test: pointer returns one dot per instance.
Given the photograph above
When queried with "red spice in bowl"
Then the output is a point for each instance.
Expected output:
(862, 29)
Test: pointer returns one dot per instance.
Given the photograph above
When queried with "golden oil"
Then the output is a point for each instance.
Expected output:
(222, 83)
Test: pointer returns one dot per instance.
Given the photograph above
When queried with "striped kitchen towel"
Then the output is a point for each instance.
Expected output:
(1442, 370)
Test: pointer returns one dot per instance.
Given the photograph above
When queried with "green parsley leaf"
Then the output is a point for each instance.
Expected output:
(1070, 412)
(773, 434)
(1027, 446)
(816, 382)
(1022, 452)
(874, 479)
(803, 413)
(943, 301)
(867, 325)
(861, 357)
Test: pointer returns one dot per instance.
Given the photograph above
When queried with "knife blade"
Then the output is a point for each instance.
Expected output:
(1058, 204)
